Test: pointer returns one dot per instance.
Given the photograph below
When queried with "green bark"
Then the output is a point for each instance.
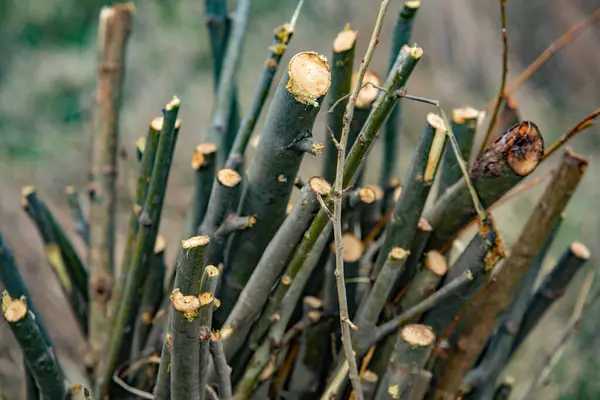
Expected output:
(282, 36)
(145, 242)
(391, 138)
(342, 62)
(39, 357)
(205, 315)
(270, 177)
(203, 163)
(143, 181)
(81, 222)
(501, 344)
(185, 346)
(402, 226)
(226, 75)
(151, 299)
(223, 370)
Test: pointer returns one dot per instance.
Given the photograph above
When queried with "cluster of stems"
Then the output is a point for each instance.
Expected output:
(347, 292)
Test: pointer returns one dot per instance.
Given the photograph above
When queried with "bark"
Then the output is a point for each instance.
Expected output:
(499, 168)
(39, 357)
(145, 242)
(483, 315)
(277, 161)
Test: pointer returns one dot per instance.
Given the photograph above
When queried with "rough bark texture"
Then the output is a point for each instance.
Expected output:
(483, 315)
(503, 165)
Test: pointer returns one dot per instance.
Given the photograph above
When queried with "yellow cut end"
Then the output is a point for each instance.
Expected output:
(211, 271)
(196, 241)
(175, 102)
(367, 195)
(398, 253)
(418, 335)
(436, 263)
(201, 153)
(580, 250)
(157, 123)
(308, 77)
(14, 310)
(344, 41)
(160, 244)
(205, 299)
(463, 114)
(228, 178)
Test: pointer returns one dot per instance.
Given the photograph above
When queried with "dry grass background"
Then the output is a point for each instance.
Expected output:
(46, 91)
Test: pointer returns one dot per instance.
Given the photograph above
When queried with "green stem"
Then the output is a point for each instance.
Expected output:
(223, 106)
(275, 165)
(413, 347)
(391, 138)
(185, 346)
(464, 126)
(162, 388)
(145, 242)
(65, 269)
(151, 299)
(282, 36)
(203, 164)
(83, 226)
(280, 317)
(39, 357)
(552, 288)
(207, 305)
(404, 66)
(113, 34)
(143, 181)
(222, 368)
(402, 227)
(272, 263)
(502, 166)
(341, 76)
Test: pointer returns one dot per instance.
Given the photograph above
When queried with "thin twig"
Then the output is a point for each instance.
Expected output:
(501, 93)
(579, 127)
(554, 356)
(128, 388)
(547, 54)
(337, 204)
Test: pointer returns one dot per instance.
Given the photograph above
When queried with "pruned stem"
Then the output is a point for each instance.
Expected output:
(272, 263)
(281, 38)
(186, 304)
(391, 133)
(412, 349)
(271, 175)
(208, 303)
(482, 317)
(145, 242)
(40, 358)
(113, 34)
(341, 75)
(203, 164)
(221, 366)
(504, 164)
(81, 222)
(224, 104)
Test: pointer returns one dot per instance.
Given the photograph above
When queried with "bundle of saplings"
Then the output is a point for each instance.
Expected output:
(355, 289)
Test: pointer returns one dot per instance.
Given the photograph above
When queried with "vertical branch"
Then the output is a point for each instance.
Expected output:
(501, 93)
(113, 33)
(341, 75)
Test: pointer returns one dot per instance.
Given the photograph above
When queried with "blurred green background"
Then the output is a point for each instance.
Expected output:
(47, 80)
